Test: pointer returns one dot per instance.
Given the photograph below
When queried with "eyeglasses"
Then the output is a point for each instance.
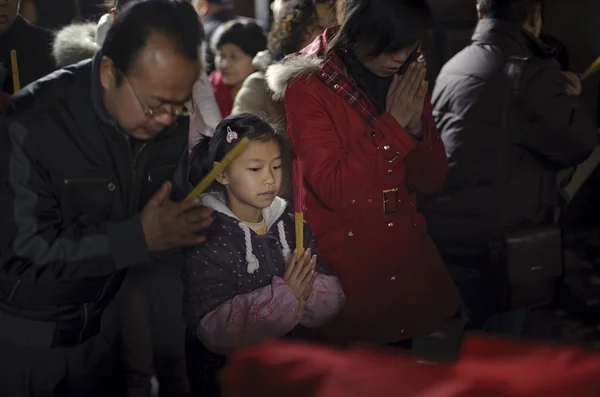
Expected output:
(165, 108)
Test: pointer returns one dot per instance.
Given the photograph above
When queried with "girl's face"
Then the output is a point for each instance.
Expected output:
(234, 64)
(253, 180)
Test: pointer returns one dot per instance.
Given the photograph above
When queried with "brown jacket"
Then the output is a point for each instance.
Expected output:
(256, 98)
(548, 130)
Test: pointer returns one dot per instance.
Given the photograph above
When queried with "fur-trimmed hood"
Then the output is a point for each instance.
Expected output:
(307, 62)
(74, 43)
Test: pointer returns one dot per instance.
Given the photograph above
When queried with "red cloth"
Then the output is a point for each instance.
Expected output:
(223, 93)
(395, 281)
(488, 368)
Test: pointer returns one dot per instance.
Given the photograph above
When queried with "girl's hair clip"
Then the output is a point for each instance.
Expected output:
(232, 136)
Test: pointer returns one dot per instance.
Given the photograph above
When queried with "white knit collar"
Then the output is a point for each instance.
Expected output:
(216, 201)
(271, 215)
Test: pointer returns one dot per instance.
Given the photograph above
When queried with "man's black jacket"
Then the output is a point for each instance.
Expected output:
(71, 189)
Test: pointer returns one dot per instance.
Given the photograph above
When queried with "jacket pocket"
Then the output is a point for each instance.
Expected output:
(155, 178)
(89, 196)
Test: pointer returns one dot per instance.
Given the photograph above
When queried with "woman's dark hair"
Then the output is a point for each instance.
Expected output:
(176, 20)
(209, 150)
(287, 34)
(374, 27)
(517, 11)
(245, 33)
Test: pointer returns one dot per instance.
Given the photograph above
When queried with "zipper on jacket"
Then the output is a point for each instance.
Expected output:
(133, 159)
(85, 321)
(164, 167)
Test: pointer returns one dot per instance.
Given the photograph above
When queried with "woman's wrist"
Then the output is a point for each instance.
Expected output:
(416, 130)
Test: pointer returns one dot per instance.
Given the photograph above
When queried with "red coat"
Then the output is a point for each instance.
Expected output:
(223, 94)
(487, 368)
(395, 281)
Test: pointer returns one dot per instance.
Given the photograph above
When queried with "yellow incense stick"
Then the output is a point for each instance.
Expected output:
(218, 169)
(15, 71)
(299, 220)
(299, 223)
(593, 68)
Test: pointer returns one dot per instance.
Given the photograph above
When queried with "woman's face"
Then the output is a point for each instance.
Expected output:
(388, 64)
(234, 64)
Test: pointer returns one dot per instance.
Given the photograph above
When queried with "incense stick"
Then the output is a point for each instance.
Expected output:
(298, 178)
(218, 169)
(15, 71)
(593, 68)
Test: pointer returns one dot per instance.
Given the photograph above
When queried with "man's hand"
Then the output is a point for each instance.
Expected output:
(170, 225)
(573, 84)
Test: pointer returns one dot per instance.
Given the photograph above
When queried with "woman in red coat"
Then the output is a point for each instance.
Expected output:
(368, 141)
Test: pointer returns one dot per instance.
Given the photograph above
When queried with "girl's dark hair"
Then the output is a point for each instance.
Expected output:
(209, 150)
(287, 34)
(374, 27)
(246, 33)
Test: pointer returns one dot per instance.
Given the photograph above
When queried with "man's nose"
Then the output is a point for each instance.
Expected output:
(165, 118)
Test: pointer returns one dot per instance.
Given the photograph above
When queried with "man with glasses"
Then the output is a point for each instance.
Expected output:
(86, 156)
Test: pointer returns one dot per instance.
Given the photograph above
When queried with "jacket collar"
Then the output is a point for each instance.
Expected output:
(271, 214)
(315, 60)
(512, 37)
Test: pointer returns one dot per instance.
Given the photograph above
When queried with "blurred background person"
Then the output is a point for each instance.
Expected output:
(235, 44)
(542, 127)
(213, 13)
(31, 43)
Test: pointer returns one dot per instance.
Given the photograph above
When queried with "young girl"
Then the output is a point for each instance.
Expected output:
(244, 283)
(235, 44)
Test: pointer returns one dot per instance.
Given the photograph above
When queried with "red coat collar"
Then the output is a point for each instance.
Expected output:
(335, 76)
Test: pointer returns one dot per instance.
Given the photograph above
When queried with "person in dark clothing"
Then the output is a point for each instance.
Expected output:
(548, 131)
(86, 159)
(32, 44)
(560, 49)
(213, 14)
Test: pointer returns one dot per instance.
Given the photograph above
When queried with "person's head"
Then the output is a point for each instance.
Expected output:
(207, 8)
(327, 12)
(400, 26)
(253, 179)
(150, 62)
(296, 29)
(8, 14)
(528, 13)
(235, 43)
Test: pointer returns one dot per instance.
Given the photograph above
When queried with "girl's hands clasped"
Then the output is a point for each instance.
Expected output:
(300, 273)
